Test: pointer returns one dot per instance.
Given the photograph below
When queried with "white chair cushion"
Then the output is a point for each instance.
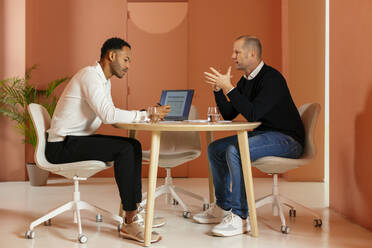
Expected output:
(83, 169)
(170, 160)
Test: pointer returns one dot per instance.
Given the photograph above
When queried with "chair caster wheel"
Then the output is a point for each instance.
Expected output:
(285, 229)
(83, 239)
(29, 234)
(205, 206)
(318, 223)
(98, 218)
(186, 214)
(292, 212)
(48, 222)
(175, 202)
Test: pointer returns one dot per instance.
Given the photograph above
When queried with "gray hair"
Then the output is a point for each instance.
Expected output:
(252, 42)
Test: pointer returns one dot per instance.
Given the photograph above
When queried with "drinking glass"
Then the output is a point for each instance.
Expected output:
(213, 114)
(153, 114)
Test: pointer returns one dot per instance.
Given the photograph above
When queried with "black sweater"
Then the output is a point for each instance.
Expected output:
(265, 98)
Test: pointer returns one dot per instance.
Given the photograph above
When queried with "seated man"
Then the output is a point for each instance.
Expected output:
(84, 104)
(261, 95)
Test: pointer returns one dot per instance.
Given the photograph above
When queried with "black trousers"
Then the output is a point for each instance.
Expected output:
(125, 152)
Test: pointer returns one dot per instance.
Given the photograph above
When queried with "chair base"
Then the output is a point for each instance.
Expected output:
(76, 205)
(278, 201)
(171, 193)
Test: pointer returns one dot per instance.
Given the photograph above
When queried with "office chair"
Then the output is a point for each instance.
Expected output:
(276, 165)
(177, 148)
(76, 171)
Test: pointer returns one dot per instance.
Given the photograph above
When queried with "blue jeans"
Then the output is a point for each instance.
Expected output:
(224, 159)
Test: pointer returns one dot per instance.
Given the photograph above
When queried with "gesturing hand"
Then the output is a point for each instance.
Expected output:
(163, 111)
(218, 80)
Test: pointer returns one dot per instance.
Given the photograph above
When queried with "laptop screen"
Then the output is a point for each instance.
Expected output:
(180, 102)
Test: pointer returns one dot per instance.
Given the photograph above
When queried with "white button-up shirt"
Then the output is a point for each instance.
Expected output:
(85, 103)
(255, 71)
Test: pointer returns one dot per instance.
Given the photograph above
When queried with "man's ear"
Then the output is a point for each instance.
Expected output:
(252, 53)
(111, 55)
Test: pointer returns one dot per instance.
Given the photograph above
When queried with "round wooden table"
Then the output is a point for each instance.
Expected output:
(240, 127)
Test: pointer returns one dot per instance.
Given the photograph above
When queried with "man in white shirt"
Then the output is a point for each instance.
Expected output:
(84, 104)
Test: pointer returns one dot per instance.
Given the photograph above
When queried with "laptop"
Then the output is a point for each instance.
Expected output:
(180, 102)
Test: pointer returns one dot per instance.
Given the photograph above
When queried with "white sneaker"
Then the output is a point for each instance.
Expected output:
(214, 214)
(231, 225)
(136, 230)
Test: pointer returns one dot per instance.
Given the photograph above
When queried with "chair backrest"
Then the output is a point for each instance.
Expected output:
(309, 114)
(41, 120)
(181, 141)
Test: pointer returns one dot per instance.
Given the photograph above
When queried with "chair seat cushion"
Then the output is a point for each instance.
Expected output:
(172, 159)
(82, 169)
(277, 165)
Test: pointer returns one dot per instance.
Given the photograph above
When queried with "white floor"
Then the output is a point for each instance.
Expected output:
(20, 204)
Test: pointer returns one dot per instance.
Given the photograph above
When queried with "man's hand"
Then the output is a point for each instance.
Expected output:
(218, 80)
(163, 111)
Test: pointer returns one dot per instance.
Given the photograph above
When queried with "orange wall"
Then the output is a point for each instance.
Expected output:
(159, 55)
(12, 63)
(212, 32)
(350, 109)
(303, 63)
(64, 36)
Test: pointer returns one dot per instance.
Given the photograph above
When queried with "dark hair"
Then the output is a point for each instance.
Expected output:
(113, 44)
(252, 42)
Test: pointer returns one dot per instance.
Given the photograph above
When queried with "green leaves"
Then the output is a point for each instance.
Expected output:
(16, 94)
(54, 84)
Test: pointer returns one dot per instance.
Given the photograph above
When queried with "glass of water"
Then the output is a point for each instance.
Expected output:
(153, 114)
(213, 114)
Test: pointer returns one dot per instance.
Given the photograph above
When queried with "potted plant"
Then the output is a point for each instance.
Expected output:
(15, 95)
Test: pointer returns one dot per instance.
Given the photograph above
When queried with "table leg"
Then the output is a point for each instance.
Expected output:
(153, 171)
(209, 137)
(247, 173)
(132, 134)
(121, 211)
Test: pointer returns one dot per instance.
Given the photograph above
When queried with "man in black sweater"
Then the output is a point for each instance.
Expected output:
(261, 95)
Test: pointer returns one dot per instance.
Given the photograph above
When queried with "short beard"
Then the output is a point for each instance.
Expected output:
(115, 68)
